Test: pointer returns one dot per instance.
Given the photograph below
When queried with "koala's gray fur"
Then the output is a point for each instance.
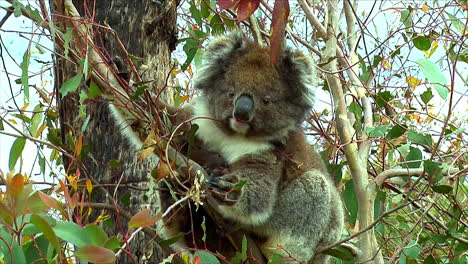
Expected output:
(250, 113)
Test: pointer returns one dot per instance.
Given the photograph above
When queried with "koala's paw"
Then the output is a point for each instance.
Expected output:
(218, 172)
(223, 188)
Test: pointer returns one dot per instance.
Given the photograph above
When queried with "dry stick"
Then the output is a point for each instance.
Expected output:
(255, 30)
(391, 173)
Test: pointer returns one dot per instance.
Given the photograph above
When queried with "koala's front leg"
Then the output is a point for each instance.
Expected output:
(253, 203)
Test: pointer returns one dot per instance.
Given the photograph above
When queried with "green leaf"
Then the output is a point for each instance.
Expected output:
(112, 243)
(93, 91)
(412, 251)
(456, 23)
(244, 248)
(422, 43)
(206, 258)
(71, 85)
(191, 139)
(25, 73)
(430, 260)
(96, 234)
(46, 230)
(433, 170)
(72, 233)
(395, 132)
(350, 199)
(356, 109)
(240, 184)
(406, 18)
(32, 249)
(426, 96)
(378, 131)
(15, 152)
(275, 258)
(442, 189)
(34, 13)
(10, 248)
(418, 138)
(435, 76)
(36, 120)
(205, 10)
(383, 98)
(67, 37)
(171, 240)
(139, 91)
(203, 226)
(217, 25)
(414, 158)
(17, 8)
(95, 254)
(195, 13)
(340, 252)
(190, 48)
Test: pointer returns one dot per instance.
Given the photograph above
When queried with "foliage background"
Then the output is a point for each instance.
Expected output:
(411, 59)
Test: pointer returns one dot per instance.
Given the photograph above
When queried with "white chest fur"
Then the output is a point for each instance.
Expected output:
(230, 147)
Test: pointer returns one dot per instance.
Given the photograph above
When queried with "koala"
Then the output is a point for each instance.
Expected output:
(250, 112)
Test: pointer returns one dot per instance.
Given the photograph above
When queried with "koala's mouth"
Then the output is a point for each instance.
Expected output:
(239, 126)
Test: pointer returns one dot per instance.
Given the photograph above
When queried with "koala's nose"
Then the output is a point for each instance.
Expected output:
(243, 108)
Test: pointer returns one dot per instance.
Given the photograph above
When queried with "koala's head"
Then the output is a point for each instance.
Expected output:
(248, 95)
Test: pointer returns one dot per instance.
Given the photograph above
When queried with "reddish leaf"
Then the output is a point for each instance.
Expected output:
(246, 8)
(95, 254)
(50, 202)
(16, 185)
(196, 260)
(143, 219)
(65, 191)
(278, 28)
(225, 4)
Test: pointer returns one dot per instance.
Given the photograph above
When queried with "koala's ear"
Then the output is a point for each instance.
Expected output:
(299, 72)
(217, 56)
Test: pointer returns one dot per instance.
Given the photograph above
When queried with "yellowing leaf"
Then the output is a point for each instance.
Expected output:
(413, 81)
(425, 8)
(72, 181)
(24, 107)
(79, 145)
(183, 99)
(433, 48)
(386, 64)
(415, 117)
(148, 146)
(40, 129)
(89, 186)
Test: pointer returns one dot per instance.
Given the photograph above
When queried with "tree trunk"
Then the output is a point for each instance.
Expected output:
(147, 29)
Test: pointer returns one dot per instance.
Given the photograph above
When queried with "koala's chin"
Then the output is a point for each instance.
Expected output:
(239, 126)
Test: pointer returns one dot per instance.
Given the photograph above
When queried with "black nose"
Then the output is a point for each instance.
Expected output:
(243, 108)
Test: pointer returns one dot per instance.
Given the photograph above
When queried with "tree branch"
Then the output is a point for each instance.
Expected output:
(391, 173)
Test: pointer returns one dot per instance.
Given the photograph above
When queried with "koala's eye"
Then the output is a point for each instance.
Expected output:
(266, 100)
(231, 94)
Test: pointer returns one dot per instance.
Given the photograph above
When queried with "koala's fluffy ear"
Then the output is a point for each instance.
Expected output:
(216, 58)
(299, 72)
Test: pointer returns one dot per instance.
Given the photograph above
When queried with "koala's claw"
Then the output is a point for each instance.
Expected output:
(223, 190)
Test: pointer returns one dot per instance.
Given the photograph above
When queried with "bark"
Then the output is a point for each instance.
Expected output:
(147, 29)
